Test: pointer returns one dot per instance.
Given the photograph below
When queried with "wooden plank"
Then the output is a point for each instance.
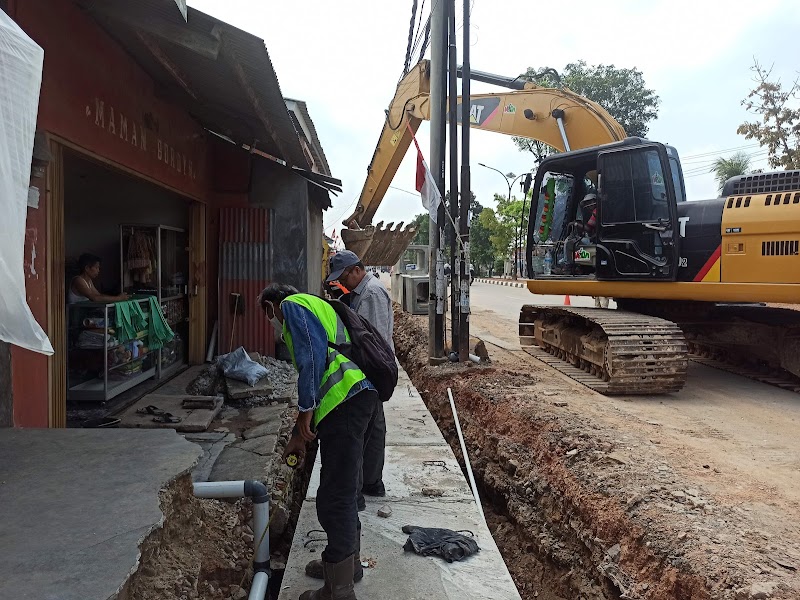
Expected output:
(56, 312)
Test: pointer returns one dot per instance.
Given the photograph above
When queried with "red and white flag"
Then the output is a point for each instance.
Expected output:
(426, 186)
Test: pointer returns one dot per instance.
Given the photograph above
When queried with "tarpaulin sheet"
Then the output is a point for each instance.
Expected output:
(21, 61)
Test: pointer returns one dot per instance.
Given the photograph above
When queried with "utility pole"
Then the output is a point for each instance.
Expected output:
(452, 80)
(466, 195)
(438, 131)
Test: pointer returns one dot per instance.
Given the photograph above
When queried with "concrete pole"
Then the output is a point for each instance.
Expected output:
(452, 106)
(466, 195)
(438, 133)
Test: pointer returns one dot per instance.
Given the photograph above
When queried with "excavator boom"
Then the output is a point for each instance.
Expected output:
(533, 112)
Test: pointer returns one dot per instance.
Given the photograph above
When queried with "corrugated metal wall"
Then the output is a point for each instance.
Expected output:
(244, 268)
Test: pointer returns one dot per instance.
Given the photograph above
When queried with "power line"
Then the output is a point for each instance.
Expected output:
(724, 150)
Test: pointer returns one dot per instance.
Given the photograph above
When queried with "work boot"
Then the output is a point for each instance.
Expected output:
(338, 582)
(374, 489)
(314, 568)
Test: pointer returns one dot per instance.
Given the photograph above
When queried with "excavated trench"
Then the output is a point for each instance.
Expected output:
(561, 536)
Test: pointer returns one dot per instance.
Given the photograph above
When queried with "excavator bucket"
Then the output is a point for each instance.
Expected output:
(379, 246)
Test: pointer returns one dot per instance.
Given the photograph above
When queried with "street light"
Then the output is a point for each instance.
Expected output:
(510, 183)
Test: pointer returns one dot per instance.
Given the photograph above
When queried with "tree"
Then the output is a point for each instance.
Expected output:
(779, 128)
(725, 168)
(622, 92)
(422, 223)
(502, 224)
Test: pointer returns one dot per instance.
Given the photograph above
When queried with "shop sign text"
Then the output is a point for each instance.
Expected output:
(137, 135)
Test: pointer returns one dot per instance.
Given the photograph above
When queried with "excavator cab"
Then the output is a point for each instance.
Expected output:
(606, 213)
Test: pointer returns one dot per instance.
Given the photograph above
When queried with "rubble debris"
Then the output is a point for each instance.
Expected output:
(385, 511)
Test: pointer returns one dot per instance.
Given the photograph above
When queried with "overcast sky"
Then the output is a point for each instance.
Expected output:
(344, 59)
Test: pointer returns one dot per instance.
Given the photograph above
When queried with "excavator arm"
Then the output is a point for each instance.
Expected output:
(558, 117)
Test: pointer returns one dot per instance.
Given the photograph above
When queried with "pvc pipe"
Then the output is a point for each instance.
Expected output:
(212, 345)
(261, 532)
(475, 358)
(219, 489)
(466, 457)
(258, 591)
(258, 492)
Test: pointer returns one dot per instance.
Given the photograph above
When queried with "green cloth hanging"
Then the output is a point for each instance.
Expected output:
(129, 320)
(158, 331)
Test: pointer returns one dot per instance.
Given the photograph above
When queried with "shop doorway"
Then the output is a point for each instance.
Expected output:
(140, 232)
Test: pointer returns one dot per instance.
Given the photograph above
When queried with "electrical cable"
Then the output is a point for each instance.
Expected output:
(410, 37)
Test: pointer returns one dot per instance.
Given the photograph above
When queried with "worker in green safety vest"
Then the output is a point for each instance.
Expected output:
(337, 405)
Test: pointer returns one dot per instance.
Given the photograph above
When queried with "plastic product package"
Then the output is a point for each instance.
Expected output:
(238, 365)
(21, 62)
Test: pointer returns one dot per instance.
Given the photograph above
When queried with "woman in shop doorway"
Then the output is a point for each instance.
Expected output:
(82, 288)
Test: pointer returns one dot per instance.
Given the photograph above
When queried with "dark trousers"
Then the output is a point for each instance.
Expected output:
(342, 435)
(375, 452)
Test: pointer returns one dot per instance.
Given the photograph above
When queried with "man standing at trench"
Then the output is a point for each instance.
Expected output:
(370, 299)
(338, 405)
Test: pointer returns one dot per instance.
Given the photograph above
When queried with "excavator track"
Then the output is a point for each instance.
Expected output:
(613, 352)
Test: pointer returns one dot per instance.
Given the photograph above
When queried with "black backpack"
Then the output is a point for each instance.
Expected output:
(367, 349)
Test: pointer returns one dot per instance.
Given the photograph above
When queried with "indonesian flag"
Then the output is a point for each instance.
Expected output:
(426, 186)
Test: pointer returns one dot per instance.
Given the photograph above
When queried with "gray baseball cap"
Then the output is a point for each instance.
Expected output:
(341, 261)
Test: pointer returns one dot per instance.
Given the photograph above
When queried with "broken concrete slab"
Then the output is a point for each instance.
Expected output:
(192, 420)
(264, 445)
(239, 390)
(270, 428)
(178, 384)
(235, 464)
(77, 503)
(212, 444)
(266, 414)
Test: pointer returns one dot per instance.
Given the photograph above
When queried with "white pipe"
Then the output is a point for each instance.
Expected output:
(466, 458)
(219, 489)
(212, 345)
(258, 591)
(475, 358)
(260, 532)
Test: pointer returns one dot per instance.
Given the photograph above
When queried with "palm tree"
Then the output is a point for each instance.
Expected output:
(725, 168)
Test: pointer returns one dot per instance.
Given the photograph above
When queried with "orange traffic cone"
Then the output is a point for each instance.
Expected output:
(566, 301)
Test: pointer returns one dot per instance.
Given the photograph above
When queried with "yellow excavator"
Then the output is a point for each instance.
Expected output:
(609, 218)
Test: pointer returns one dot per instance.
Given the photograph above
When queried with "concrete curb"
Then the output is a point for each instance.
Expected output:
(505, 282)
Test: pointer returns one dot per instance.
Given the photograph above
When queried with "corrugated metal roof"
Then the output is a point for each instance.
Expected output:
(222, 75)
(316, 145)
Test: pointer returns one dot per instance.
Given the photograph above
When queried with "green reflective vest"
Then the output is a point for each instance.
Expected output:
(341, 374)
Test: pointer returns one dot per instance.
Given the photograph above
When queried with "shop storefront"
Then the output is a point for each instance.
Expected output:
(135, 178)
(128, 183)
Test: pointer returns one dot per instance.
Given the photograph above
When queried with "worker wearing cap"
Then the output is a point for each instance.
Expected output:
(370, 299)
(338, 405)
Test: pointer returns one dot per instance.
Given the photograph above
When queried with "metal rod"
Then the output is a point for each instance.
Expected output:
(467, 464)
(560, 122)
(466, 193)
(438, 132)
(453, 141)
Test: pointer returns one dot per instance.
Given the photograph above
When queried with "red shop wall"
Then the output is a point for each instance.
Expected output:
(96, 97)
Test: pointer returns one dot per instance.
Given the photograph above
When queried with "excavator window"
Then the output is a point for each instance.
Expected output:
(635, 188)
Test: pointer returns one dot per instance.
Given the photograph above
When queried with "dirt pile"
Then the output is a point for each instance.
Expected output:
(583, 511)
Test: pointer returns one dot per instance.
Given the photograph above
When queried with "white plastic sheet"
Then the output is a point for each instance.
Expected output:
(21, 62)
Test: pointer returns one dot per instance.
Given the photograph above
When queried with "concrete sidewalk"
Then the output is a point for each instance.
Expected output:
(77, 503)
(417, 458)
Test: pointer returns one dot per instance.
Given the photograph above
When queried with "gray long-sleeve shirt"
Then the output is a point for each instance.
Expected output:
(371, 300)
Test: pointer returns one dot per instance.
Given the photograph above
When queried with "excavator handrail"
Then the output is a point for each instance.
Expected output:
(533, 112)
